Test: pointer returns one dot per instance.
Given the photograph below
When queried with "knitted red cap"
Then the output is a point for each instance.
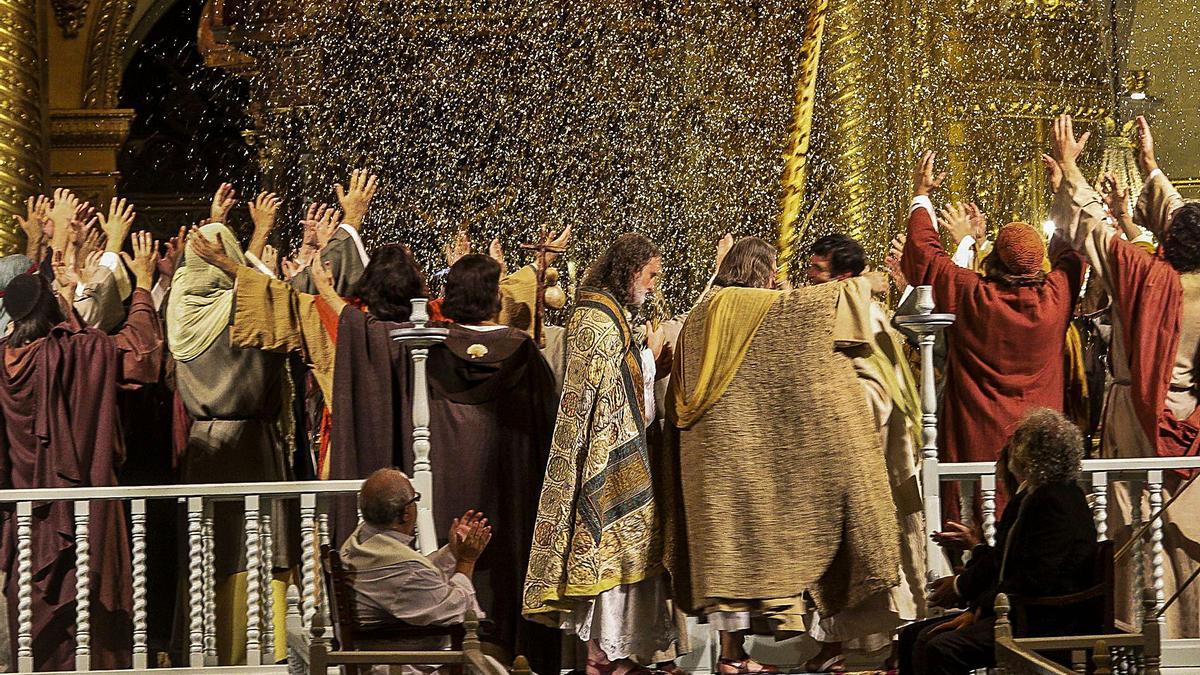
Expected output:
(1020, 248)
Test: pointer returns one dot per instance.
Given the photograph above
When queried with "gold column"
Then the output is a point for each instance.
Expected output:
(21, 120)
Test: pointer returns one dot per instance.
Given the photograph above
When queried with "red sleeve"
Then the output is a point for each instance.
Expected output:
(1068, 263)
(926, 263)
(139, 343)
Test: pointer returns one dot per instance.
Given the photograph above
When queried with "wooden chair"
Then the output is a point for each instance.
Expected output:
(351, 637)
(1096, 601)
(1025, 655)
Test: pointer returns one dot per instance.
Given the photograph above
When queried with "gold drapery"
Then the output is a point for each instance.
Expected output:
(21, 118)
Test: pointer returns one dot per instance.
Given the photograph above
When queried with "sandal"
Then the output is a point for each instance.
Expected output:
(597, 668)
(745, 667)
(836, 664)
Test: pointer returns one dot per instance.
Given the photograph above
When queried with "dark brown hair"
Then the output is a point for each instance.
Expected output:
(390, 282)
(614, 271)
(472, 290)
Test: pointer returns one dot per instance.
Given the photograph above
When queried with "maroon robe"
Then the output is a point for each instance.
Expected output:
(62, 430)
(1005, 349)
(492, 405)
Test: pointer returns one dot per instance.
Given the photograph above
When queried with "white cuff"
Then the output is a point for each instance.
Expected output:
(1155, 172)
(923, 201)
(113, 262)
(362, 251)
(259, 265)
(963, 255)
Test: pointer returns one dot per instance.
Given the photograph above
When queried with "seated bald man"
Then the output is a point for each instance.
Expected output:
(392, 581)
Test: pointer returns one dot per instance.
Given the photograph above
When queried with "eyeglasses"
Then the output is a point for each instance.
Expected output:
(416, 498)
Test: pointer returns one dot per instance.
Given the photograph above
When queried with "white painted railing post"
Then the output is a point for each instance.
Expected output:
(308, 553)
(195, 507)
(83, 586)
(253, 581)
(1136, 491)
(419, 338)
(137, 518)
(987, 491)
(208, 561)
(1100, 504)
(1155, 480)
(267, 575)
(25, 587)
(927, 325)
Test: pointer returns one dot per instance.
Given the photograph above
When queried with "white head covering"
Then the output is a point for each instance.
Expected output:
(201, 298)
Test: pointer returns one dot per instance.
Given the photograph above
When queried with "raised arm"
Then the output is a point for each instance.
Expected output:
(140, 341)
(1159, 199)
(1078, 211)
(924, 261)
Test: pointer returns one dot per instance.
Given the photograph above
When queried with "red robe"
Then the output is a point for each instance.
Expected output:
(1149, 299)
(62, 430)
(1005, 349)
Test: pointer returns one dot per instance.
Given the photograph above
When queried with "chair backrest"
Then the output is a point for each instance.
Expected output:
(340, 591)
(1096, 603)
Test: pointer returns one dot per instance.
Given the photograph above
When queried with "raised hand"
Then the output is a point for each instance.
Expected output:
(92, 241)
(37, 210)
(892, 262)
(978, 221)
(117, 223)
(144, 259)
(322, 278)
(1065, 147)
(459, 246)
(62, 213)
(723, 247)
(270, 258)
(469, 536)
(656, 339)
(958, 537)
(1054, 174)
(223, 201)
(496, 252)
(90, 267)
(263, 210)
(355, 201)
(212, 252)
(1145, 157)
(168, 262)
(1115, 199)
(954, 217)
(292, 266)
(559, 240)
(66, 277)
(925, 180)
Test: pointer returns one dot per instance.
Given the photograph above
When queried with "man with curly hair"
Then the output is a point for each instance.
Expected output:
(1152, 407)
(1045, 546)
(595, 569)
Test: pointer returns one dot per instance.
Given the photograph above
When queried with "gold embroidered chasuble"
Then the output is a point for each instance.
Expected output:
(597, 525)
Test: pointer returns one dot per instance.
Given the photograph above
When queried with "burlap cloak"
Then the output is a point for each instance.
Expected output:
(780, 487)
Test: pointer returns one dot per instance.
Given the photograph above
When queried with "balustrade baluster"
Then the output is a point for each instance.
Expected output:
(137, 518)
(208, 558)
(83, 594)
(268, 593)
(195, 506)
(308, 581)
(253, 580)
(987, 491)
(25, 587)
(1136, 491)
(1155, 480)
(1100, 504)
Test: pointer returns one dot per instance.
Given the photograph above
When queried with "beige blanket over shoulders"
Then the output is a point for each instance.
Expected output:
(780, 487)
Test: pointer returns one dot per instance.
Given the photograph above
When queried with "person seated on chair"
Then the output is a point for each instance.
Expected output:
(1045, 546)
(392, 581)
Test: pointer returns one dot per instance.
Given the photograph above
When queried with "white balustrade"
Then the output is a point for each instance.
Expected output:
(308, 553)
(267, 563)
(987, 493)
(253, 584)
(137, 518)
(83, 594)
(208, 557)
(1155, 481)
(25, 586)
(195, 507)
(1136, 490)
(1100, 504)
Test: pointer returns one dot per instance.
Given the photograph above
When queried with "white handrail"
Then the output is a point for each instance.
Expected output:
(207, 490)
(1125, 465)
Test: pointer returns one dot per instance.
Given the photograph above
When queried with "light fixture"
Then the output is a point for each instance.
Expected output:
(1136, 84)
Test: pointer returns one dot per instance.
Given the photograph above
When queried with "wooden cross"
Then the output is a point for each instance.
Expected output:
(543, 248)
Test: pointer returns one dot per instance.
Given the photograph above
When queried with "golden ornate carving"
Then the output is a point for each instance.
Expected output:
(21, 146)
(94, 128)
(795, 158)
(70, 15)
(102, 79)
